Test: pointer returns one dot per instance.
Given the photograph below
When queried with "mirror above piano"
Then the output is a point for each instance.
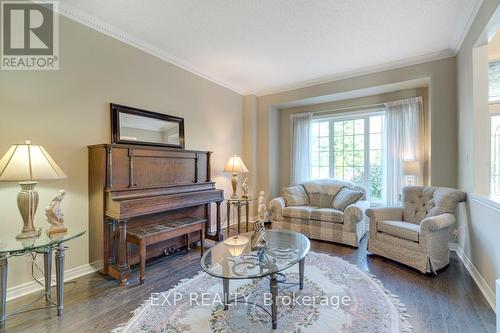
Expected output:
(135, 126)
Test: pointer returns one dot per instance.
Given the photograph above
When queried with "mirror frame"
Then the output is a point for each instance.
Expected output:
(116, 109)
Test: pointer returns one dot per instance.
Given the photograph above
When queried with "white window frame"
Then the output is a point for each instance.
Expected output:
(365, 114)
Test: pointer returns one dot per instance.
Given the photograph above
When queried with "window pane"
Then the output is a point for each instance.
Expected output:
(375, 141)
(359, 142)
(324, 127)
(338, 128)
(376, 124)
(315, 129)
(315, 144)
(348, 142)
(338, 143)
(324, 144)
(359, 175)
(315, 173)
(338, 159)
(339, 172)
(359, 126)
(348, 174)
(359, 158)
(348, 127)
(494, 81)
(375, 157)
(375, 182)
(315, 159)
(348, 158)
(324, 158)
(324, 172)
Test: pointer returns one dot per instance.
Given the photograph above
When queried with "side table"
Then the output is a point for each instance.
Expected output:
(43, 244)
(238, 203)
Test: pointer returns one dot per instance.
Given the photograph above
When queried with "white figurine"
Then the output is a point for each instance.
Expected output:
(55, 215)
(262, 208)
(244, 188)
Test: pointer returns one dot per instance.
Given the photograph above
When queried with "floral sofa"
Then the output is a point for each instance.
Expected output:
(328, 209)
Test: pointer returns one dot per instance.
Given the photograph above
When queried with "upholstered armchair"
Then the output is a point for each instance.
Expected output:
(416, 234)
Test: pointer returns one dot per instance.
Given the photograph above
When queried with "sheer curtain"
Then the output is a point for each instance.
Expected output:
(301, 147)
(404, 122)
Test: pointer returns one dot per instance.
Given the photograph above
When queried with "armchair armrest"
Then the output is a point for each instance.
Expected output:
(276, 205)
(354, 214)
(385, 213)
(438, 222)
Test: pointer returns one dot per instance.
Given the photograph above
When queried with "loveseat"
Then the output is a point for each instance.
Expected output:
(327, 209)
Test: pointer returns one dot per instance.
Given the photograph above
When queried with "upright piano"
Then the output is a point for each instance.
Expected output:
(131, 186)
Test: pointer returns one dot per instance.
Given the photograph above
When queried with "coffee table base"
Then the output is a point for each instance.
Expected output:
(273, 286)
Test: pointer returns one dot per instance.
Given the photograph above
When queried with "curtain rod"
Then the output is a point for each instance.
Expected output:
(379, 105)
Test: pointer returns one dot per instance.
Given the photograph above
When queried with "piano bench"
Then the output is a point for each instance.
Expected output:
(158, 232)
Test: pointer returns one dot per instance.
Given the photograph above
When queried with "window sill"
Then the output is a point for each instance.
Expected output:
(491, 201)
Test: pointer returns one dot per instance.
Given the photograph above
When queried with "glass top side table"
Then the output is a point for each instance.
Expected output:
(238, 202)
(12, 247)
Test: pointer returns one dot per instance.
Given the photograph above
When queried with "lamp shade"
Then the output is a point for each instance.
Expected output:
(235, 165)
(24, 162)
(411, 168)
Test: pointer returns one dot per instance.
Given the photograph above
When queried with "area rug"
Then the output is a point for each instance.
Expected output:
(337, 297)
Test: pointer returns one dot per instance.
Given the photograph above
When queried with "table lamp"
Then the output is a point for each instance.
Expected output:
(235, 165)
(26, 163)
(411, 169)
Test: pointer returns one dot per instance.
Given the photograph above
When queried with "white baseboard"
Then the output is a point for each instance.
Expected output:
(476, 276)
(32, 286)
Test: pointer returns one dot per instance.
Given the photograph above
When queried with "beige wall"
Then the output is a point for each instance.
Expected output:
(479, 220)
(67, 110)
(285, 123)
(442, 121)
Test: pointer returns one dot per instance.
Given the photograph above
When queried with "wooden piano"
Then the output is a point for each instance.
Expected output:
(131, 186)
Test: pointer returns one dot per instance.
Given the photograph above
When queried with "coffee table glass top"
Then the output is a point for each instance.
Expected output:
(233, 258)
(9, 242)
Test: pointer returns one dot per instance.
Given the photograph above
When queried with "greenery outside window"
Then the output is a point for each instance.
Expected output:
(351, 148)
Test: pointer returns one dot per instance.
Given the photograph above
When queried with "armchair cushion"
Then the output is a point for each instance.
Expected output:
(295, 195)
(346, 197)
(327, 215)
(400, 229)
(300, 212)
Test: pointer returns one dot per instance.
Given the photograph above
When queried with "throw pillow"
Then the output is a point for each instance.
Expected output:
(346, 197)
(295, 195)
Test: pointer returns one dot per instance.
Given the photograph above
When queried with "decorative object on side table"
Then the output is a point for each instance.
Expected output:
(259, 237)
(27, 163)
(244, 188)
(55, 215)
(235, 165)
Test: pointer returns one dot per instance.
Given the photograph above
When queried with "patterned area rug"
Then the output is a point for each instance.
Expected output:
(337, 297)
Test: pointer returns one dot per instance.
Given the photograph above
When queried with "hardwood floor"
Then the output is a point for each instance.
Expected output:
(449, 302)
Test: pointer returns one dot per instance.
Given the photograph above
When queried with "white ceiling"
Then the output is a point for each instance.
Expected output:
(263, 46)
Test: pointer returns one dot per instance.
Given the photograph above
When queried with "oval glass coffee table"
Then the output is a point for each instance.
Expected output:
(234, 259)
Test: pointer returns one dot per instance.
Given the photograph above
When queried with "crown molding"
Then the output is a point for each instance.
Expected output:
(473, 10)
(365, 71)
(83, 18)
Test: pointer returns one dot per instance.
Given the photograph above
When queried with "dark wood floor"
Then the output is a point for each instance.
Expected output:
(449, 302)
